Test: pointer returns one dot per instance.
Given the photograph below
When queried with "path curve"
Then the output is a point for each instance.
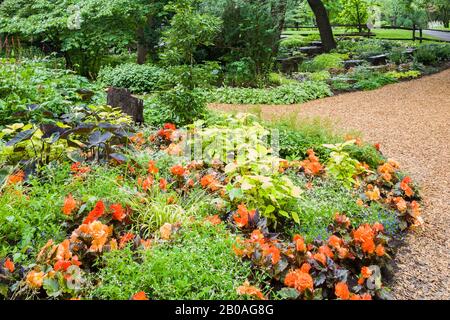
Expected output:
(411, 120)
(438, 34)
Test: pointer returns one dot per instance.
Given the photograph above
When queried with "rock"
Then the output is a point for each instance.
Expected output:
(122, 98)
(316, 44)
(378, 60)
(311, 50)
(352, 63)
(290, 65)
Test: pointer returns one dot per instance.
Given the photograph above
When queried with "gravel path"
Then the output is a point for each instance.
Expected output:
(411, 120)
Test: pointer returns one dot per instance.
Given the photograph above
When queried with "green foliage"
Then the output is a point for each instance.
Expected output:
(296, 137)
(240, 73)
(431, 54)
(179, 105)
(340, 165)
(85, 31)
(325, 62)
(317, 207)
(250, 33)
(362, 78)
(97, 131)
(136, 78)
(188, 30)
(284, 94)
(411, 74)
(198, 264)
(28, 83)
(354, 12)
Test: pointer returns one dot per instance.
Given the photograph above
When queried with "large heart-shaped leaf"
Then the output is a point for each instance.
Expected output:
(21, 136)
(97, 138)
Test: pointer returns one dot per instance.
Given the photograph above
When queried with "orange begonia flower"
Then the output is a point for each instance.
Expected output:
(320, 257)
(140, 296)
(247, 289)
(299, 243)
(178, 170)
(380, 250)
(299, 280)
(335, 241)
(96, 213)
(152, 169)
(341, 291)
(163, 184)
(35, 279)
(9, 265)
(366, 272)
(69, 205)
(166, 231)
(118, 213)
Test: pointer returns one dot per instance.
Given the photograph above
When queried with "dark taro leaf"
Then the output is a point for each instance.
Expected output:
(49, 130)
(118, 157)
(32, 107)
(123, 133)
(75, 156)
(108, 126)
(55, 137)
(21, 136)
(98, 138)
(80, 129)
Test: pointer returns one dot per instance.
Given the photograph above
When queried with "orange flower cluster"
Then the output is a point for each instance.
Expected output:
(387, 170)
(79, 170)
(365, 235)
(312, 165)
(69, 205)
(95, 233)
(9, 265)
(96, 213)
(300, 279)
(247, 289)
(140, 296)
(209, 182)
(16, 178)
(167, 131)
(163, 184)
(342, 292)
(138, 140)
(243, 216)
(373, 193)
(214, 220)
(178, 170)
(404, 185)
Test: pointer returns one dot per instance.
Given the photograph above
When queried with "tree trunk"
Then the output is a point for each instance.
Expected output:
(323, 22)
(122, 98)
(279, 15)
(142, 49)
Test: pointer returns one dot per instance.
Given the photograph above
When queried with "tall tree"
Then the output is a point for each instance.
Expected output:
(323, 22)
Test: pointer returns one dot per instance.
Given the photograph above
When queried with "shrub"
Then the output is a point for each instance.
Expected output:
(324, 61)
(137, 78)
(431, 54)
(240, 73)
(198, 264)
(179, 105)
(285, 94)
(32, 82)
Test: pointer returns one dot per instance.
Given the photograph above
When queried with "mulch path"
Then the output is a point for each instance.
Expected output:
(411, 120)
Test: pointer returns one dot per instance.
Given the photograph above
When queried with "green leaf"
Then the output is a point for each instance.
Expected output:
(295, 217)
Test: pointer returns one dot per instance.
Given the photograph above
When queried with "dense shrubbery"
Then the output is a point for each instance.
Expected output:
(284, 94)
(27, 83)
(136, 78)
